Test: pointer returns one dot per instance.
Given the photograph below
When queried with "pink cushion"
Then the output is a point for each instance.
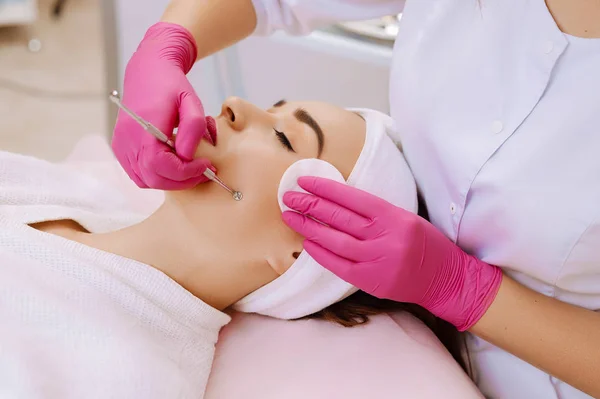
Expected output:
(394, 356)
(391, 357)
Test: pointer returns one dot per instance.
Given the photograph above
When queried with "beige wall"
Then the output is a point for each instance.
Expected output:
(49, 99)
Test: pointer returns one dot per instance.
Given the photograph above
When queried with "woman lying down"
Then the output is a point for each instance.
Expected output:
(99, 301)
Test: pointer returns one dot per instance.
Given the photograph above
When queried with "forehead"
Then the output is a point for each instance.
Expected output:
(344, 131)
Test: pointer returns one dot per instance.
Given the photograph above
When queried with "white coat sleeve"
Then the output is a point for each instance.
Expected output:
(300, 17)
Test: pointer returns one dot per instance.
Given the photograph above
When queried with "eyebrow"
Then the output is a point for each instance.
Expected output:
(279, 103)
(303, 116)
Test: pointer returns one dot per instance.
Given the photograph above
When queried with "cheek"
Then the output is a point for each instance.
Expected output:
(259, 181)
(257, 174)
(255, 169)
(259, 227)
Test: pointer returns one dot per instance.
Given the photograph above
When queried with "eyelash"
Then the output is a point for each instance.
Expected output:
(284, 140)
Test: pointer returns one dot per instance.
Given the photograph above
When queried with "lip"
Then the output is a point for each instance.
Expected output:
(211, 129)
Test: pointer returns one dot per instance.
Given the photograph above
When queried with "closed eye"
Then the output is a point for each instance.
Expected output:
(284, 140)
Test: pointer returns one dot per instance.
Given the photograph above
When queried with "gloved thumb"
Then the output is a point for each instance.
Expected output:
(192, 126)
(173, 173)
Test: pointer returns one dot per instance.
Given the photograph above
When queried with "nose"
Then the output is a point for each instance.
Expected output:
(240, 113)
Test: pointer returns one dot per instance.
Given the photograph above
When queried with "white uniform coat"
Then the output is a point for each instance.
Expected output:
(499, 113)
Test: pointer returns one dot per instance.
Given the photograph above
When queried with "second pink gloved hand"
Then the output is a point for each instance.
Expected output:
(389, 252)
(157, 89)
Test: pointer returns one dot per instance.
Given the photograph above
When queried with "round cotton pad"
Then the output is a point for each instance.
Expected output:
(305, 167)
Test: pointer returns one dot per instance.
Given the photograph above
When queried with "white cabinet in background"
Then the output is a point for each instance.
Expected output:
(17, 12)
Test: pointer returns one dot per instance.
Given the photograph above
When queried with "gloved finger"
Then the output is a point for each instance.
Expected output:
(164, 170)
(327, 212)
(134, 174)
(164, 118)
(352, 198)
(338, 242)
(338, 265)
(129, 165)
(161, 183)
(167, 164)
(351, 272)
(192, 126)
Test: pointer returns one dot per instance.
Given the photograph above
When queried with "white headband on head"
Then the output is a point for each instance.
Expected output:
(307, 287)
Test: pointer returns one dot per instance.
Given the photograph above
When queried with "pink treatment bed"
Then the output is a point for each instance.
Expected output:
(394, 356)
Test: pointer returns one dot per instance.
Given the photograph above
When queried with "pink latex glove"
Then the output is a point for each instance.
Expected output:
(389, 252)
(157, 89)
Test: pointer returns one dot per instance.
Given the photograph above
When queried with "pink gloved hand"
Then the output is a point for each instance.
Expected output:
(389, 252)
(157, 89)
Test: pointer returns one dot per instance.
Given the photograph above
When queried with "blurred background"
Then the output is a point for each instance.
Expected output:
(59, 59)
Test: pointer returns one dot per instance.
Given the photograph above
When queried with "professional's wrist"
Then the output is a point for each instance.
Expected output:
(172, 42)
(463, 289)
(484, 281)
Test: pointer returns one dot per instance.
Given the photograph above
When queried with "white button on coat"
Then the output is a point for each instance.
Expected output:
(453, 208)
(531, 198)
(497, 127)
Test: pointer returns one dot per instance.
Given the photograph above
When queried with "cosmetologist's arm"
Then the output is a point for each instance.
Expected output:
(217, 24)
(561, 339)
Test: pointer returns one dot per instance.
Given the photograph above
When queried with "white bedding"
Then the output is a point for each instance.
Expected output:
(77, 322)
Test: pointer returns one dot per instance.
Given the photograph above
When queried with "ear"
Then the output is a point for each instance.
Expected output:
(285, 251)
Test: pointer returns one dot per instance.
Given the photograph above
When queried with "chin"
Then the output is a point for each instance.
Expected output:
(205, 149)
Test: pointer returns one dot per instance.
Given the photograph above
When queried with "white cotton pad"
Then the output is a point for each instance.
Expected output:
(305, 167)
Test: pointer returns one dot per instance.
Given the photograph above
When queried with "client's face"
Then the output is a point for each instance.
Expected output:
(253, 149)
